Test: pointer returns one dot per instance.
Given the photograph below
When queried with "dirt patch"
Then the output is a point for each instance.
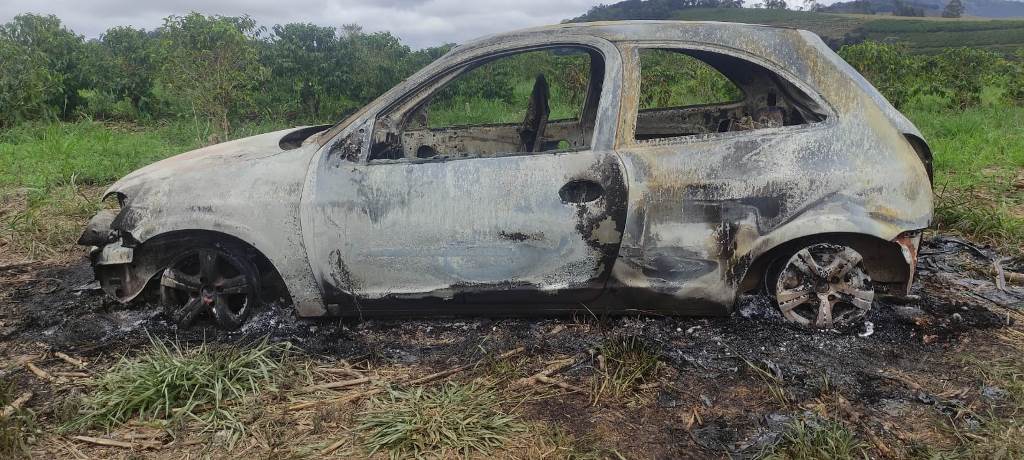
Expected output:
(712, 395)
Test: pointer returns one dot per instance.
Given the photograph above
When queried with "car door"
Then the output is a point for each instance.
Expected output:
(465, 213)
(718, 148)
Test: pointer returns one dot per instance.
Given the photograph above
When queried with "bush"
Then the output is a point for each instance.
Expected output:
(1014, 81)
(890, 68)
(960, 74)
(25, 84)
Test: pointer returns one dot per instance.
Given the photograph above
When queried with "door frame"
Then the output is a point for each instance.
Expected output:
(357, 135)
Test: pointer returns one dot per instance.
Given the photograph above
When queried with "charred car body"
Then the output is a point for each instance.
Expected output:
(809, 185)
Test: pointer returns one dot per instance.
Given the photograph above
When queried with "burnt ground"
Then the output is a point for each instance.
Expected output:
(725, 387)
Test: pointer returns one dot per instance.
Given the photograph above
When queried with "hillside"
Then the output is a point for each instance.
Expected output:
(977, 8)
(665, 9)
(922, 35)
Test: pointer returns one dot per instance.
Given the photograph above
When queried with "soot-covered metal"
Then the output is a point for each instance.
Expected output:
(673, 210)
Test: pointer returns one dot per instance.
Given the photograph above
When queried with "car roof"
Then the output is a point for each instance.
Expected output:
(616, 31)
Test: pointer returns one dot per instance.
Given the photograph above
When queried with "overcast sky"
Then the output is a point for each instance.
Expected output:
(418, 23)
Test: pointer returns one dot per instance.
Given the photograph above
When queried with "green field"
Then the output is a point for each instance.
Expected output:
(51, 175)
(922, 35)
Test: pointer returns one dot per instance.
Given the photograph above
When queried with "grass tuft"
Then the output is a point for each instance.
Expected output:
(774, 383)
(204, 385)
(452, 419)
(999, 432)
(817, 439)
(628, 363)
(15, 429)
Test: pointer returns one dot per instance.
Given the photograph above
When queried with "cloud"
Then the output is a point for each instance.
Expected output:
(419, 23)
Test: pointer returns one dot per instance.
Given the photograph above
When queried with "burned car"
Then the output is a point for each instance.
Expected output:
(592, 186)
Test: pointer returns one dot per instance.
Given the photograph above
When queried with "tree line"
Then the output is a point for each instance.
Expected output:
(214, 69)
(219, 70)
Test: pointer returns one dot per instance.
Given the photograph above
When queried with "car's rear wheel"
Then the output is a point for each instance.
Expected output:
(823, 285)
(216, 279)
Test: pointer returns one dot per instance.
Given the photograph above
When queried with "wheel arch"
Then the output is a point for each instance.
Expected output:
(154, 254)
(884, 260)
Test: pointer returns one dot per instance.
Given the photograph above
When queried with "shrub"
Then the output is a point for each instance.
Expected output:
(960, 74)
(890, 68)
(1014, 82)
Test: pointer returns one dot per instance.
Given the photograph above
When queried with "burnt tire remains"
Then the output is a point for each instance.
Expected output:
(824, 285)
(212, 280)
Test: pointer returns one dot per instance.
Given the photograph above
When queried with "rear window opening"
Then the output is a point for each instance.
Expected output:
(691, 92)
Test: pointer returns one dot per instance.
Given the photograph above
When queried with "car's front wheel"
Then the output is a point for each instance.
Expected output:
(823, 285)
(216, 279)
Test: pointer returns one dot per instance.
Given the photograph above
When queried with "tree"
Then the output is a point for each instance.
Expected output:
(304, 70)
(132, 68)
(901, 8)
(26, 86)
(890, 68)
(374, 62)
(954, 9)
(961, 74)
(57, 49)
(211, 63)
(775, 4)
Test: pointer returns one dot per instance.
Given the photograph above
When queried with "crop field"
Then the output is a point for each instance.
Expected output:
(937, 375)
(921, 35)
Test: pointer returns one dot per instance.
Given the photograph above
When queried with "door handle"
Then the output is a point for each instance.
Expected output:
(580, 191)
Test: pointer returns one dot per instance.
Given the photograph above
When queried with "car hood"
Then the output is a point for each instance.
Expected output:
(216, 162)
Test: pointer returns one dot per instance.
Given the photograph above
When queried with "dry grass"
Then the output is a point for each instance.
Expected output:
(17, 429)
(772, 383)
(624, 364)
(452, 419)
(43, 226)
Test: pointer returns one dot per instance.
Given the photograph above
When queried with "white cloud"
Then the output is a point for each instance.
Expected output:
(418, 23)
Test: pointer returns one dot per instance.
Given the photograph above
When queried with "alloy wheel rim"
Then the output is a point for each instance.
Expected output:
(206, 281)
(824, 285)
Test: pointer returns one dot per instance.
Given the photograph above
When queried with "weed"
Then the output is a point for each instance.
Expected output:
(817, 439)
(452, 419)
(628, 363)
(551, 441)
(507, 370)
(204, 385)
(772, 382)
(15, 429)
(999, 432)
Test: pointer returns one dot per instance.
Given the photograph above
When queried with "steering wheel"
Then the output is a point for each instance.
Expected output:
(531, 134)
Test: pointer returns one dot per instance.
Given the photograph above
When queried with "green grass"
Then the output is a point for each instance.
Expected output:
(628, 363)
(979, 169)
(210, 387)
(43, 155)
(51, 174)
(817, 439)
(488, 111)
(453, 419)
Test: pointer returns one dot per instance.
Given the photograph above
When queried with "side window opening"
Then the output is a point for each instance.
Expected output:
(691, 92)
(528, 102)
